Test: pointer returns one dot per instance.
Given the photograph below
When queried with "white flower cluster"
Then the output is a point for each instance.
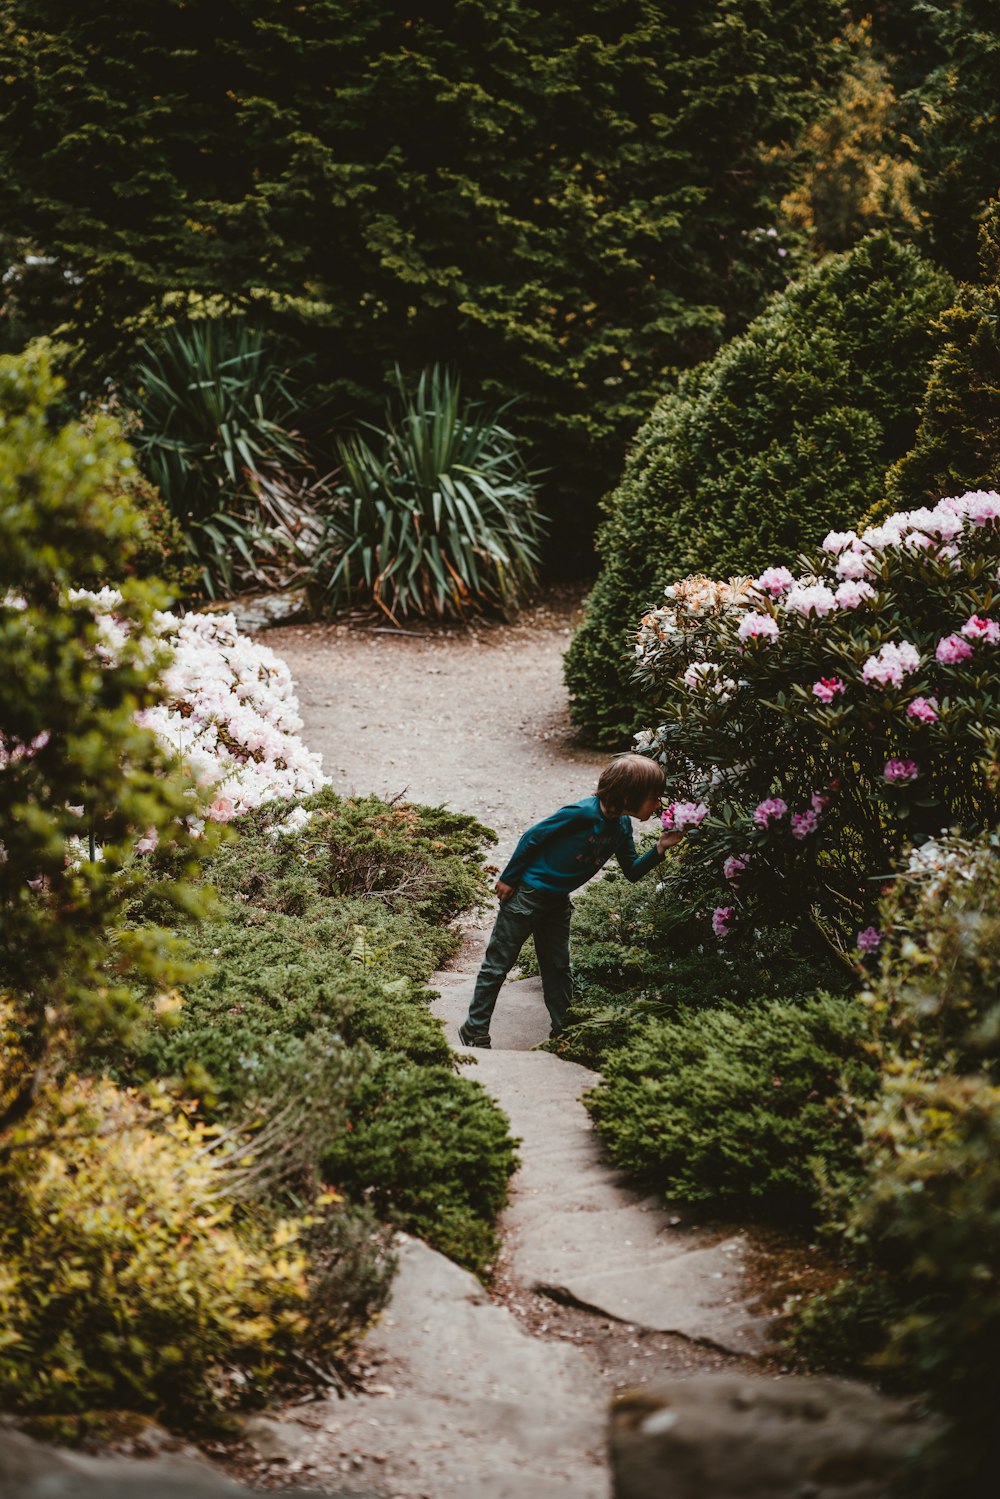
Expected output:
(229, 709)
(687, 601)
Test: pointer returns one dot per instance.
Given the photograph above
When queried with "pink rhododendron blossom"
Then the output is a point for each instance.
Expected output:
(826, 688)
(148, 842)
(682, 815)
(222, 809)
(891, 664)
(977, 628)
(734, 866)
(901, 770)
(851, 594)
(952, 649)
(818, 801)
(836, 541)
(869, 939)
(852, 565)
(810, 598)
(923, 708)
(770, 810)
(804, 823)
(774, 580)
(721, 917)
(758, 626)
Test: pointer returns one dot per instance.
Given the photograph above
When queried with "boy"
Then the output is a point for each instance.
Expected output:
(555, 856)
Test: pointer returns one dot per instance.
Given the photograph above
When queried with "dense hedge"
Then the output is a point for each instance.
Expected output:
(562, 200)
(957, 445)
(785, 433)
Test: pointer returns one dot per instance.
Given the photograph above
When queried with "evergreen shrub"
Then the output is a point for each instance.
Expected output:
(431, 1152)
(739, 1107)
(957, 445)
(735, 468)
(561, 200)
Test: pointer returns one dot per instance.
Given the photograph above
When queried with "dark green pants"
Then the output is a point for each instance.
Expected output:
(527, 913)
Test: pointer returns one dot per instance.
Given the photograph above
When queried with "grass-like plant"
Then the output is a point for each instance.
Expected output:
(218, 410)
(435, 515)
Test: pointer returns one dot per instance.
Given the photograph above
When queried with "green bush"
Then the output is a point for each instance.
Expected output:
(437, 514)
(735, 468)
(124, 1279)
(214, 408)
(957, 444)
(561, 200)
(431, 1152)
(739, 1107)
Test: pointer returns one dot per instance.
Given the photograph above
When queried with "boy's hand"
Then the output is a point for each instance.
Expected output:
(504, 891)
(668, 839)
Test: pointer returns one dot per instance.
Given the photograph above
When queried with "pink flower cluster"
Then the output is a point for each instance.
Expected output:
(891, 664)
(758, 627)
(923, 708)
(804, 823)
(680, 816)
(721, 918)
(770, 810)
(734, 867)
(901, 770)
(952, 649)
(869, 939)
(826, 688)
(985, 630)
(774, 580)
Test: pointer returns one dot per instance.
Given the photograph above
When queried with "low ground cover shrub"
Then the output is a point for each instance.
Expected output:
(735, 469)
(739, 1108)
(811, 726)
(432, 1153)
(436, 513)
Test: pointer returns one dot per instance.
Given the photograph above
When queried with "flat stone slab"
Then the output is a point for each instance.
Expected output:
(724, 1436)
(573, 1228)
(470, 1407)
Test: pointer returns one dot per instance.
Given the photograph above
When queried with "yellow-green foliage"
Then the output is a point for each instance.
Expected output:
(124, 1278)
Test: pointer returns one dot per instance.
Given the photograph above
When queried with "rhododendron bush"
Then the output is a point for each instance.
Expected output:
(826, 720)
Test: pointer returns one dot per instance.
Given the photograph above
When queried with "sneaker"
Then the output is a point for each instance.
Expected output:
(474, 1038)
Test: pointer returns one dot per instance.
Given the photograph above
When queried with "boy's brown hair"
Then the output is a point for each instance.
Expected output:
(627, 781)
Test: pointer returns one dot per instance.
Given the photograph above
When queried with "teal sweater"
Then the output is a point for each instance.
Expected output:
(562, 852)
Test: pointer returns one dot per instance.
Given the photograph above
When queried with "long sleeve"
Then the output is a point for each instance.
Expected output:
(633, 865)
(540, 832)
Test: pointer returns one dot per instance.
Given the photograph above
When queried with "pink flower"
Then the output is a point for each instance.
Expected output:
(774, 580)
(771, 810)
(851, 566)
(735, 866)
(148, 842)
(721, 917)
(891, 664)
(818, 801)
(836, 541)
(976, 628)
(804, 823)
(682, 815)
(952, 649)
(811, 598)
(221, 809)
(901, 770)
(851, 594)
(758, 626)
(869, 939)
(924, 708)
(826, 688)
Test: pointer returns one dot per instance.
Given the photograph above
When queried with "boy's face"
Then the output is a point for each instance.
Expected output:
(648, 807)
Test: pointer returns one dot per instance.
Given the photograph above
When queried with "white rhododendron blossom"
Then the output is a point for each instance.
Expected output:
(229, 710)
(705, 675)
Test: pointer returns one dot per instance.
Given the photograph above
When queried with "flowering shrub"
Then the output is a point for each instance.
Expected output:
(864, 712)
(227, 708)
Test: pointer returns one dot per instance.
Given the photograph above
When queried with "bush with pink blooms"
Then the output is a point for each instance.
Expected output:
(825, 720)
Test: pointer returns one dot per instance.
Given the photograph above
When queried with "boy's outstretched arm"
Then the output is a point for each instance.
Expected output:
(634, 866)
